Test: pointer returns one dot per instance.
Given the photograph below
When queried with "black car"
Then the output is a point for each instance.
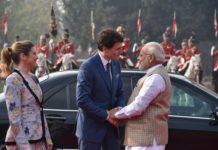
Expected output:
(192, 121)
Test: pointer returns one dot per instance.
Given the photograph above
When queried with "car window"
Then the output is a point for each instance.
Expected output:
(58, 99)
(73, 95)
(127, 86)
(187, 102)
(136, 78)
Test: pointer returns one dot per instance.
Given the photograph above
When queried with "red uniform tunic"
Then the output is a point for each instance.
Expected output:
(216, 63)
(169, 49)
(62, 48)
(42, 48)
(138, 50)
(190, 52)
(125, 48)
(181, 54)
(65, 47)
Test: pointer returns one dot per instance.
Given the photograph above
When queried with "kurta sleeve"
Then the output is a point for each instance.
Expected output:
(151, 88)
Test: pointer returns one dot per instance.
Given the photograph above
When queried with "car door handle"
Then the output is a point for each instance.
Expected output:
(213, 123)
(56, 118)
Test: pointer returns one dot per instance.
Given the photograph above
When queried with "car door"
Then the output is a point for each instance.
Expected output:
(59, 115)
(128, 79)
(128, 84)
(4, 123)
(74, 111)
(191, 124)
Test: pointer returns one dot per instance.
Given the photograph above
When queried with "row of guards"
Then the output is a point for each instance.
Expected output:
(59, 55)
(185, 61)
(64, 46)
(54, 51)
(56, 56)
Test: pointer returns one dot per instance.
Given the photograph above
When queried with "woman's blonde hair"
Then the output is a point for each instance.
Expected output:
(12, 54)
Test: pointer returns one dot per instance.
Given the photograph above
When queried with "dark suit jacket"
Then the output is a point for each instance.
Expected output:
(95, 97)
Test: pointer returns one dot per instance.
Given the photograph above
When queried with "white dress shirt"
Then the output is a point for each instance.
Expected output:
(105, 62)
(152, 87)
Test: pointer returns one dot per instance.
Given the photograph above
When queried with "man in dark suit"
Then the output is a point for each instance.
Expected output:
(99, 90)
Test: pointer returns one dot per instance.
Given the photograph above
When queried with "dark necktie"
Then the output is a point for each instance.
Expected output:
(108, 72)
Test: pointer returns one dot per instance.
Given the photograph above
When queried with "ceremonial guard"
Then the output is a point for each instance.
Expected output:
(214, 54)
(191, 50)
(181, 53)
(126, 45)
(168, 46)
(136, 50)
(64, 46)
(41, 47)
(53, 32)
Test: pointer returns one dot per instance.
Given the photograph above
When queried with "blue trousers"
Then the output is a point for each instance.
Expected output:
(111, 141)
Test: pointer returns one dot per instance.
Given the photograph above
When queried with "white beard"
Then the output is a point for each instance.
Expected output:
(142, 66)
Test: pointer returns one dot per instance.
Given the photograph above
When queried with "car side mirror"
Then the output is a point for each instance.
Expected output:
(215, 113)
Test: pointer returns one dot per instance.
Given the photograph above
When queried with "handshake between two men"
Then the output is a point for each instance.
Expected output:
(112, 118)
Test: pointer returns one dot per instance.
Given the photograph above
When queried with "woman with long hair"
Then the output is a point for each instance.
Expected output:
(28, 128)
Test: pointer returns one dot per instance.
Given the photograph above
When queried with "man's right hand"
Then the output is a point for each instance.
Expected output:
(113, 121)
(113, 111)
(111, 118)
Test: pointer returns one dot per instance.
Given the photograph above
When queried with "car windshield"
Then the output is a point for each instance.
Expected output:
(41, 79)
(200, 86)
(204, 88)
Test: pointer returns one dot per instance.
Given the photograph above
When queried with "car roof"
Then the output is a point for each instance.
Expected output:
(59, 74)
(58, 77)
(75, 72)
(171, 74)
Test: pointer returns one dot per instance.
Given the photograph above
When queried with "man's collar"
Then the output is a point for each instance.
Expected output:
(149, 70)
(104, 61)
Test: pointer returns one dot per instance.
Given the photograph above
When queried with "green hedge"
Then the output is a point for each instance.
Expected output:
(1, 87)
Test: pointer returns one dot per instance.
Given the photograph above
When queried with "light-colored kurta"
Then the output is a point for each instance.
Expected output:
(152, 87)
